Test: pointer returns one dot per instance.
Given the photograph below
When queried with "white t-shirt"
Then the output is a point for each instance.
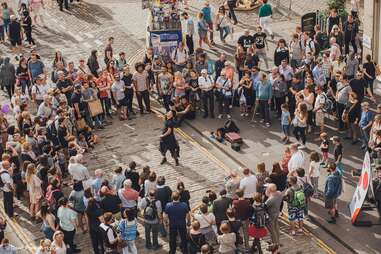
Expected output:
(7, 179)
(110, 233)
(320, 101)
(40, 91)
(205, 83)
(249, 186)
(298, 160)
(205, 220)
(314, 168)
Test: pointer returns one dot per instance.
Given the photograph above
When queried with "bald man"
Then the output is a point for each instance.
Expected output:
(7, 188)
(273, 206)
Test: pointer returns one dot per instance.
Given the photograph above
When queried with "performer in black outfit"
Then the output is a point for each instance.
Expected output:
(168, 140)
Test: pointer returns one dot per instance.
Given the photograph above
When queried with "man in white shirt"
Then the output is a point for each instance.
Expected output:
(298, 158)
(189, 31)
(77, 170)
(248, 184)
(206, 85)
(39, 89)
(179, 57)
(45, 110)
(7, 188)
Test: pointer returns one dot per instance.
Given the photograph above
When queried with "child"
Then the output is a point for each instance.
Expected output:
(338, 152)
(83, 143)
(324, 148)
(285, 121)
(314, 171)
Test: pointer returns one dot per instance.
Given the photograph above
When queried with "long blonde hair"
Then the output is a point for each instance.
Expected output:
(30, 172)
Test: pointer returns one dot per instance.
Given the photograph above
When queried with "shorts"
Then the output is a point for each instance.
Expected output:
(330, 203)
(319, 118)
(123, 102)
(295, 214)
(16, 42)
(286, 129)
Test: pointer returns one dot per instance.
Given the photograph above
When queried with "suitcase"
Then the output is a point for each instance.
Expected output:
(236, 147)
(233, 137)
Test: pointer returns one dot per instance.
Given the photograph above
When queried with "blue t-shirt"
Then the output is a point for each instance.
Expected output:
(366, 117)
(36, 68)
(207, 14)
(176, 212)
(284, 118)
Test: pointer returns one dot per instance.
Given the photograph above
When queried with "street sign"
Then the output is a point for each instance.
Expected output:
(361, 189)
(308, 22)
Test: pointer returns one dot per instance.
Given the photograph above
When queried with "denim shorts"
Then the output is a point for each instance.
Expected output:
(295, 214)
(286, 129)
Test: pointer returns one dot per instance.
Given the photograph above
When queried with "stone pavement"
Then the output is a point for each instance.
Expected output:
(87, 26)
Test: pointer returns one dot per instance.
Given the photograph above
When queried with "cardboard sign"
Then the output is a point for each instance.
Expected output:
(361, 189)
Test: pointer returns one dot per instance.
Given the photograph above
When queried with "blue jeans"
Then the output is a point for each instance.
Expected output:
(265, 110)
(48, 232)
(224, 32)
(154, 228)
(364, 137)
(1, 33)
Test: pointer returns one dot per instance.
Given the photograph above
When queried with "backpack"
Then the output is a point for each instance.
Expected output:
(328, 104)
(260, 218)
(106, 241)
(298, 198)
(316, 46)
(150, 212)
(323, 40)
(1, 180)
(308, 189)
(230, 126)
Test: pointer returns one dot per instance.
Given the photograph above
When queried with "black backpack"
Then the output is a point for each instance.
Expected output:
(106, 241)
(260, 218)
(308, 189)
(230, 126)
(150, 212)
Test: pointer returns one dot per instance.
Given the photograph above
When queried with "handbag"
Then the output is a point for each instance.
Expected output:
(95, 107)
(377, 70)
(252, 231)
(81, 124)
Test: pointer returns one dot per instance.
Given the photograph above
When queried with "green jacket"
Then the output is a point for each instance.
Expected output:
(265, 10)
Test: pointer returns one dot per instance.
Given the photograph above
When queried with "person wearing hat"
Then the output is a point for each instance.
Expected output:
(206, 85)
(15, 34)
(141, 84)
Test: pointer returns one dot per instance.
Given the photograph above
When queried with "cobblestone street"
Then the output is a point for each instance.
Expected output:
(87, 26)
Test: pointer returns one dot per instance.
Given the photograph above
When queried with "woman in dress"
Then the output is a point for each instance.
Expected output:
(76, 198)
(36, 8)
(184, 193)
(168, 140)
(35, 190)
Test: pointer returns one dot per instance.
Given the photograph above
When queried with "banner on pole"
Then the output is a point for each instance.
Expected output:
(361, 189)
